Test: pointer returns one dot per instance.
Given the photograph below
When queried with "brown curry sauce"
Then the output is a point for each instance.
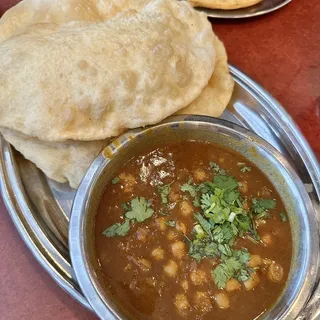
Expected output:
(151, 278)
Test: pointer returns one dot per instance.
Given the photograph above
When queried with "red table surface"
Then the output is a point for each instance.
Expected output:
(280, 50)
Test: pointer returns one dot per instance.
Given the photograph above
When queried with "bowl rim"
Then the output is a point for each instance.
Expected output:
(83, 196)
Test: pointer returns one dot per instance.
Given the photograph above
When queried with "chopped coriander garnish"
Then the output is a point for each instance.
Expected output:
(243, 167)
(234, 265)
(224, 182)
(222, 219)
(140, 210)
(216, 168)
(115, 180)
(171, 223)
(164, 192)
(225, 271)
(261, 205)
(117, 229)
(161, 213)
(283, 217)
(204, 223)
(188, 187)
(196, 202)
(125, 206)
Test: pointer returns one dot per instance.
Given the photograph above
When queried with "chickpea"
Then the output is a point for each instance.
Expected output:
(199, 175)
(255, 261)
(221, 159)
(233, 285)
(267, 239)
(198, 277)
(180, 226)
(181, 303)
(202, 302)
(172, 235)
(252, 282)
(275, 272)
(185, 208)
(157, 253)
(178, 249)
(222, 300)
(171, 268)
(184, 284)
(161, 224)
(142, 234)
(244, 187)
(173, 196)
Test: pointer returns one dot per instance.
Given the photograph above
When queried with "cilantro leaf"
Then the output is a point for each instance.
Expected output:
(231, 196)
(224, 182)
(203, 187)
(225, 271)
(162, 213)
(171, 223)
(115, 180)
(243, 167)
(283, 217)
(223, 233)
(242, 255)
(117, 229)
(164, 192)
(244, 275)
(200, 249)
(216, 168)
(205, 224)
(233, 265)
(140, 210)
(187, 187)
(125, 206)
(225, 250)
(196, 202)
(261, 205)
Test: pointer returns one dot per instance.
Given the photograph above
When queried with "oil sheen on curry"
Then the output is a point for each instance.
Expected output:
(192, 230)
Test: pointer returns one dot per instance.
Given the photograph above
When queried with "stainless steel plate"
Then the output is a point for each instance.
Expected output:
(40, 207)
(264, 7)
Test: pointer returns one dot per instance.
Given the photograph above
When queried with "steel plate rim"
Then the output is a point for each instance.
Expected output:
(35, 248)
(305, 150)
(232, 14)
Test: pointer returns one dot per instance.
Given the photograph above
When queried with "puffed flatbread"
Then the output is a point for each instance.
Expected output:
(61, 161)
(217, 94)
(224, 4)
(90, 81)
(29, 12)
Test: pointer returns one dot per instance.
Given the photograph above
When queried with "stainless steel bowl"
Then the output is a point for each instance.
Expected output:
(304, 264)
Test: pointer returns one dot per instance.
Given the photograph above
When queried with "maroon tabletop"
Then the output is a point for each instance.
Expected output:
(281, 51)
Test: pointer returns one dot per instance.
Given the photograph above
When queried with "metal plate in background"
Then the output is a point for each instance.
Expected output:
(264, 7)
(40, 207)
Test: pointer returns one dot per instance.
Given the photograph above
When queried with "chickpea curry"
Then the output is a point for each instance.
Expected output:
(192, 230)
